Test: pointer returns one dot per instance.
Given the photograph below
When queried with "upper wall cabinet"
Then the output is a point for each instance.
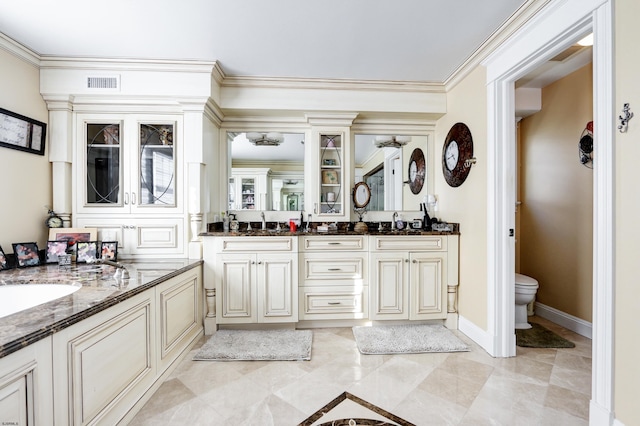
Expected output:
(128, 164)
(331, 174)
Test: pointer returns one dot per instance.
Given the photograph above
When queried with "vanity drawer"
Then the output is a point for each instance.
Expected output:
(329, 303)
(325, 267)
(254, 244)
(334, 243)
(410, 243)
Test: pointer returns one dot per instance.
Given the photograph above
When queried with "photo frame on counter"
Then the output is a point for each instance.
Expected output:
(26, 254)
(54, 250)
(4, 262)
(109, 250)
(73, 236)
(22, 133)
(87, 251)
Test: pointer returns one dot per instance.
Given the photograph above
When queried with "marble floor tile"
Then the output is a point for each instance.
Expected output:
(537, 387)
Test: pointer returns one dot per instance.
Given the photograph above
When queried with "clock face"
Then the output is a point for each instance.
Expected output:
(457, 149)
(452, 154)
(54, 222)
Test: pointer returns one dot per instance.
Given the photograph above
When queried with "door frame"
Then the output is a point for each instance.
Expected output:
(558, 25)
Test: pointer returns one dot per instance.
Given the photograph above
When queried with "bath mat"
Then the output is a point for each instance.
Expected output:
(406, 339)
(540, 337)
(257, 345)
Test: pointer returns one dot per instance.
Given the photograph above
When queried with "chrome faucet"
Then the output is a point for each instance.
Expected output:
(393, 220)
(264, 222)
(121, 270)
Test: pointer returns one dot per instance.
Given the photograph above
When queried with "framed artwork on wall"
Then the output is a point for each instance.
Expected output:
(21, 133)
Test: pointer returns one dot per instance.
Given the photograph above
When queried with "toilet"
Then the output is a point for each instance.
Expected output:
(526, 288)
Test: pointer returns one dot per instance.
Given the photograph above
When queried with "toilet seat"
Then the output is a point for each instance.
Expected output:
(525, 281)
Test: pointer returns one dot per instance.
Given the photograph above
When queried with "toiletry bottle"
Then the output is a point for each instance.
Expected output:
(225, 222)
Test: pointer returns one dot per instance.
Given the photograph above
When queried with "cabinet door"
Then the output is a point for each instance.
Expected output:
(238, 289)
(389, 292)
(331, 173)
(101, 164)
(156, 165)
(428, 294)
(277, 301)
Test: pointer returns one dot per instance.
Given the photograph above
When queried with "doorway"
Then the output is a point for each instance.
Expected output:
(553, 30)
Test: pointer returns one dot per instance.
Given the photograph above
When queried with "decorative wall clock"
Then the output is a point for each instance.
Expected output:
(457, 155)
(416, 171)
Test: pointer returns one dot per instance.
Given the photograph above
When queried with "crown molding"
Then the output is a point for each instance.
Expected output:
(19, 51)
(332, 84)
(520, 17)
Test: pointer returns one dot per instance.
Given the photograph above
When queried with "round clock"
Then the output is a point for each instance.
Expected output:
(53, 221)
(457, 155)
(416, 171)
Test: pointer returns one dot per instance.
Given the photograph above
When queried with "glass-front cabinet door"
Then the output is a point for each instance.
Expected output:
(127, 164)
(331, 154)
(157, 166)
(103, 159)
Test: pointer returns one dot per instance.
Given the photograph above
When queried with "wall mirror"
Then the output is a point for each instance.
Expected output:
(382, 162)
(267, 171)
(361, 195)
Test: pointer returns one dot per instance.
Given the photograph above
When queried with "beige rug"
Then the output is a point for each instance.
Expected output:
(257, 345)
(406, 339)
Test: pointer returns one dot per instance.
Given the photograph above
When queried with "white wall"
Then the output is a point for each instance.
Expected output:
(25, 178)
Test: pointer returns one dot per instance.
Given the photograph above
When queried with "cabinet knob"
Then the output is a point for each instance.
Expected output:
(260, 262)
(126, 198)
(133, 198)
(253, 262)
(406, 261)
(415, 261)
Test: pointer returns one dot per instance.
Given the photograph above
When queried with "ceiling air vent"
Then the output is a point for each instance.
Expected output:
(102, 82)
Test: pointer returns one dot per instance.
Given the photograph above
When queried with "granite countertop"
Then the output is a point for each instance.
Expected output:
(100, 290)
(344, 228)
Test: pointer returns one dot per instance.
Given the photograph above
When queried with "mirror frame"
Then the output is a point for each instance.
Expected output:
(358, 188)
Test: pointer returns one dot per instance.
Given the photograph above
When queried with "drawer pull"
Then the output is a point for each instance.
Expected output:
(335, 269)
(334, 303)
(334, 243)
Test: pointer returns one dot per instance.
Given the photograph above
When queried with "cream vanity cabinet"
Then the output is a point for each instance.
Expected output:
(411, 275)
(25, 385)
(129, 169)
(333, 282)
(255, 279)
(105, 364)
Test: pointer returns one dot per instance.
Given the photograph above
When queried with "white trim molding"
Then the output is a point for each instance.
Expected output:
(554, 28)
(575, 324)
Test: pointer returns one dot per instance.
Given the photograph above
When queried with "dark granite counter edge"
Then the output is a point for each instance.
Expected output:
(52, 328)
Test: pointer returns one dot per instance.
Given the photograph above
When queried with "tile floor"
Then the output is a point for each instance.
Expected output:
(537, 387)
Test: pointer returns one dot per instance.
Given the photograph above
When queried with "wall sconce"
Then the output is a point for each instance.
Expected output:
(265, 139)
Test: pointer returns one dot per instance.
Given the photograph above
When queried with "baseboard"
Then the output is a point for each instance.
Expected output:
(575, 324)
(600, 416)
(475, 333)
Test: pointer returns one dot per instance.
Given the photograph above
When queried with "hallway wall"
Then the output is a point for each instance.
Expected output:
(556, 229)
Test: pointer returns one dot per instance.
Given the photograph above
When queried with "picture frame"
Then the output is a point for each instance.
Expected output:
(26, 254)
(109, 250)
(4, 262)
(54, 250)
(330, 177)
(22, 133)
(73, 236)
(87, 251)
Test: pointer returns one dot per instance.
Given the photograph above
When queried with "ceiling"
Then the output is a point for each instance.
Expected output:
(399, 40)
